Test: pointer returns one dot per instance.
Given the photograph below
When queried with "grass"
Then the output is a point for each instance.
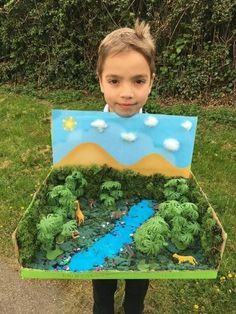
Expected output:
(25, 159)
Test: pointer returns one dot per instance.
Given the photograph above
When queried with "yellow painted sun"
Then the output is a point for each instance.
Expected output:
(69, 124)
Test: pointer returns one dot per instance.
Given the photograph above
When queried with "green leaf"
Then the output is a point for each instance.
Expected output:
(178, 50)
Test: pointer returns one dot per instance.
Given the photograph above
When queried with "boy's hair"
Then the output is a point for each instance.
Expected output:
(124, 39)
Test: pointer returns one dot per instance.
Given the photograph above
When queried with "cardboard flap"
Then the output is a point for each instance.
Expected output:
(144, 143)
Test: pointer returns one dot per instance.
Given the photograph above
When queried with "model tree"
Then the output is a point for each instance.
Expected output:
(76, 183)
(59, 226)
(48, 228)
(176, 189)
(183, 232)
(169, 209)
(152, 236)
(111, 192)
(68, 228)
(182, 219)
(64, 201)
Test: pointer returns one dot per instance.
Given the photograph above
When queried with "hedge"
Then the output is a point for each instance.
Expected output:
(55, 42)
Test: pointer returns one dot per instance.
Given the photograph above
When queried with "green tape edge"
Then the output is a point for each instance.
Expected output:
(27, 273)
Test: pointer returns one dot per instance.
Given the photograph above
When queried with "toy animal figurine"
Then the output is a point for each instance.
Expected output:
(75, 235)
(63, 260)
(129, 250)
(185, 259)
(118, 214)
(92, 203)
(79, 214)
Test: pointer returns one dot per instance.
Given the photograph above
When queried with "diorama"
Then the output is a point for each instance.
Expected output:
(120, 202)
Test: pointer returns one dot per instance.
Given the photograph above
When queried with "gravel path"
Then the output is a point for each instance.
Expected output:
(19, 296)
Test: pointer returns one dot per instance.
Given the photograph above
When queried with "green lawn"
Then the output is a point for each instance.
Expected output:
(25, 159)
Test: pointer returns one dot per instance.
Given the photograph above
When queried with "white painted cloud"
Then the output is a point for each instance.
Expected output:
(99, 124)
(187, 125)
(151, 121)
(171, 144)
(128, 136)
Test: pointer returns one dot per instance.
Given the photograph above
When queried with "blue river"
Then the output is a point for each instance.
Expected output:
(111, 244)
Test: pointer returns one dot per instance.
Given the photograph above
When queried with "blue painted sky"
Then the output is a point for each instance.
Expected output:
(144, 139)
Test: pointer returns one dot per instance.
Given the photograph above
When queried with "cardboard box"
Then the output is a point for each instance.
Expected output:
(148, 167)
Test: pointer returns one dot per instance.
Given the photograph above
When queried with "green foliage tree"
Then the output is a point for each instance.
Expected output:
(76, 183)
(67, 229)
(169, 209)
(152, 236)
(53, 230)
(64, 201)
(56, 228)
(111, 192)
(176, 189)
(181, 234)
(48, 228)
(189, 211)
(194, 228)
(182, 219)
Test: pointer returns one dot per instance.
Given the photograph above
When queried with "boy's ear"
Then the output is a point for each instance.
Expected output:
(100, 83)
(153, 77)
(152, 80)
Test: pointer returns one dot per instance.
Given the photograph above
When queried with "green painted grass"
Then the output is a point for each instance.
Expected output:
(25, 160)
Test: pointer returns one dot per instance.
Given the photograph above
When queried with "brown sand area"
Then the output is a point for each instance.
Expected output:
(88, 154)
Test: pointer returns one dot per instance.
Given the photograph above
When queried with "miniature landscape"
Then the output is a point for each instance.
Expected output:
(100, 219)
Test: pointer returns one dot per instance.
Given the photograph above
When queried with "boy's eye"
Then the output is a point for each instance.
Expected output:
(113, 82)
(139, 82)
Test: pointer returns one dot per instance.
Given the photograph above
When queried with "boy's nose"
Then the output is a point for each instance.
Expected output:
(127, 92)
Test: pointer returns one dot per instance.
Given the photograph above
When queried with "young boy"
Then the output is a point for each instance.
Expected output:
(125, 68)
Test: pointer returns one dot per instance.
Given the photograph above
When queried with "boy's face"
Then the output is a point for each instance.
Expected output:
(126, 82)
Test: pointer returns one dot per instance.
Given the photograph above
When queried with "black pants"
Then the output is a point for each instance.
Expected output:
(103, 295)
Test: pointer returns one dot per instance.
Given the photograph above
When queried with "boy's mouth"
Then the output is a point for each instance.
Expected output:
(126, 105)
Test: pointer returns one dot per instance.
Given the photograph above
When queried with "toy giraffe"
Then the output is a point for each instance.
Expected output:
(79, 214)
(184, 259)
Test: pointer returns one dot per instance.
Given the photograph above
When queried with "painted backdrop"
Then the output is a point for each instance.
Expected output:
(145, 143)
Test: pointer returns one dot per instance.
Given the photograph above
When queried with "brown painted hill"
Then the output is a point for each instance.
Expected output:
(88, 154)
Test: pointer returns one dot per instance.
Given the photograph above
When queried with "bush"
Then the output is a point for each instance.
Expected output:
(55, 42)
